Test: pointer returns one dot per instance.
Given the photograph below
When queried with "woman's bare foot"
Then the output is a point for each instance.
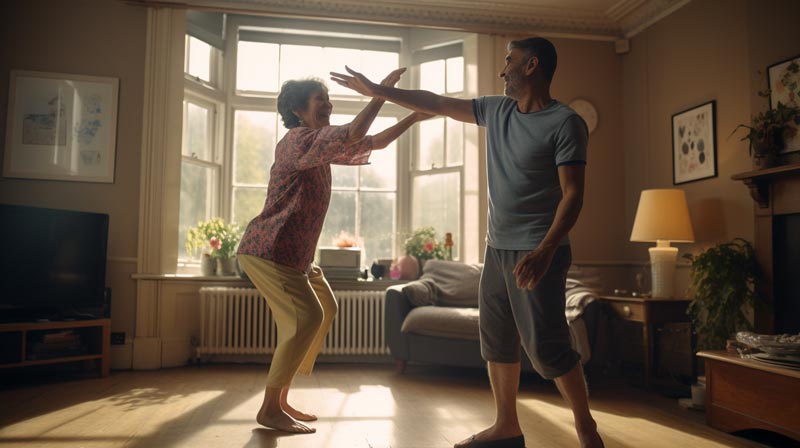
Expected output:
(298, 415)
(283, 422)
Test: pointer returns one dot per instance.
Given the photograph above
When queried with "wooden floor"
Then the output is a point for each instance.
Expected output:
(367, 406)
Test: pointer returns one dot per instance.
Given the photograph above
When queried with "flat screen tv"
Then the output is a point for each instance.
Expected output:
(53, 263)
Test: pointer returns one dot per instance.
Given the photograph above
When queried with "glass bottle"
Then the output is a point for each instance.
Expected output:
(448, 246)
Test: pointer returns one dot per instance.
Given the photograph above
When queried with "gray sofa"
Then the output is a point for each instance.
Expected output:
(434, 320)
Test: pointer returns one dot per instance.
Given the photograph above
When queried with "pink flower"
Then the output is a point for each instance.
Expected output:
(215, 243)
(429, 246)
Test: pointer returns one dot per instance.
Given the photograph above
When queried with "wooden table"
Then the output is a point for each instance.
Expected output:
(650, 312)
(747, 394)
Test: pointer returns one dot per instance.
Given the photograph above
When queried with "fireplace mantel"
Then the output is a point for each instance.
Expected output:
(759, 180)
(776, 192)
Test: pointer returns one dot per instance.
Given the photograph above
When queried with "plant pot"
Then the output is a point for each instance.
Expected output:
(208, 266)
(765, 161)
(226, 266)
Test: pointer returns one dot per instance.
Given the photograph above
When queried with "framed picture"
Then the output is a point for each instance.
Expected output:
(694, 144)
(61, 127)
(784, 87)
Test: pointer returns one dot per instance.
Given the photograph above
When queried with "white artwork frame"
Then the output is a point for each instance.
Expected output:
(61, 127)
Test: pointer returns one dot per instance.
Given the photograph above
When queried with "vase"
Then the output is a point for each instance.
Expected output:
(208, 266)
(408, 267)
(226, 266)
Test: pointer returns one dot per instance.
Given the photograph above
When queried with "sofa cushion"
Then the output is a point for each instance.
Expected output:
(445, 322)
(457, 283)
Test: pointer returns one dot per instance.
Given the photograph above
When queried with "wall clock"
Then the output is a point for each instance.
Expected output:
(587, 111)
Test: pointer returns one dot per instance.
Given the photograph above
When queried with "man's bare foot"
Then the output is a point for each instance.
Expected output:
(490, 433)
(283, 422)
(298, 415)
(588, 435)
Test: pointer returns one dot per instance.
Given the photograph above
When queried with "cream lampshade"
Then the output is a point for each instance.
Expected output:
(663, 217)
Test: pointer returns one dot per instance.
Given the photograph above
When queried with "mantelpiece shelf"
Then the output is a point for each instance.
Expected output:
(758, 181)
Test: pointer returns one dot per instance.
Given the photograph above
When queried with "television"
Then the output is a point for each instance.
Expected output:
(53, 264)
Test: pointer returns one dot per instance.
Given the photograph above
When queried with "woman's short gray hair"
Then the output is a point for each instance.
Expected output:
(294, 96)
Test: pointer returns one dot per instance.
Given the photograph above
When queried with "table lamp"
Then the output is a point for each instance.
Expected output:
(663, 217)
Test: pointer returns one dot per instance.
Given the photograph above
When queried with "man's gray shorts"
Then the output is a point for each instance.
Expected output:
(510, 316)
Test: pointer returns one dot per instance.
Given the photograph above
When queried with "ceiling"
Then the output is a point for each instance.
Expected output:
(583, 19)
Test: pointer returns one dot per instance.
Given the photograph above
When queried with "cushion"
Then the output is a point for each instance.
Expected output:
(457, 283)
(445, 322)
(421, 292)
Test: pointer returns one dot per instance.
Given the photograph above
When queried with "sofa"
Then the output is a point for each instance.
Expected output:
(434, 320)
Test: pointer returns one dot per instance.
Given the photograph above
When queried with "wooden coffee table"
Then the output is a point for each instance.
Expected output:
(746, 394)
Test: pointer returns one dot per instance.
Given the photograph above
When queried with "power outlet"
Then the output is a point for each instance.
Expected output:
(118, 338)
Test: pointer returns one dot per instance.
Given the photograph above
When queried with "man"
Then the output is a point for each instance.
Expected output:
(536, 157)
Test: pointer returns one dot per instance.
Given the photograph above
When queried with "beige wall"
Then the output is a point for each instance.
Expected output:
(707, 50)
(99, 38)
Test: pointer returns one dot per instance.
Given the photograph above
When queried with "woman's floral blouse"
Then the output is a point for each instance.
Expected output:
(299, 192)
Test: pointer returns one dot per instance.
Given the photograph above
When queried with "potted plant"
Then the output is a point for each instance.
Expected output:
(724, 280)
(217, 240)
(420, 247)
(768, 132)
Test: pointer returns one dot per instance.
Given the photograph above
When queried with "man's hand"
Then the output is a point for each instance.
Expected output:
(358, 82)
(532, 267)
(391, 79)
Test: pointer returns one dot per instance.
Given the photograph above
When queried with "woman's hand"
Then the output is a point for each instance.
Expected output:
(391, 79)
(358, 82)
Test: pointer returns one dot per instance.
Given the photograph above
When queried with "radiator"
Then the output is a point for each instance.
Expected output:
(237, 321)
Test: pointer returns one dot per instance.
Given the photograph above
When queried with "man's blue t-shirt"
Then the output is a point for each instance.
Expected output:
(523, 153)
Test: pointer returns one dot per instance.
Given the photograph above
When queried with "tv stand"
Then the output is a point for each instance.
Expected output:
(39, 343)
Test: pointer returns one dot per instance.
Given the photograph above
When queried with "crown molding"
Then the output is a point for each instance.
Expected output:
(622, 20)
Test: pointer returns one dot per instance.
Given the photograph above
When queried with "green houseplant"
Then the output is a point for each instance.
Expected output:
(724, 280)
(218, 240)
(768, 132)
(423, 245)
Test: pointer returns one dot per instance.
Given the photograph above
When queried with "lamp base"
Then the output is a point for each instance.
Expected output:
(662, 265)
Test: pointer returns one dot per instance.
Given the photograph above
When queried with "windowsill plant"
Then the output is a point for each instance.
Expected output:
(215, 239)
(423, 245)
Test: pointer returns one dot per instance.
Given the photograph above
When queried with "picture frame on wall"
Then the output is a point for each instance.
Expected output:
(61, 127)
(784, 87)
(694, 144)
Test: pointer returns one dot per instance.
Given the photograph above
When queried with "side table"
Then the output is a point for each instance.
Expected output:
(650, 313)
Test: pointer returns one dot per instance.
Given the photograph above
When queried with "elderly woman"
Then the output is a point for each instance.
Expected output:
(278, 247)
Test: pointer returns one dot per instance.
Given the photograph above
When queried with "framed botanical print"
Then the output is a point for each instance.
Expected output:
(694, 144)
(784, 87)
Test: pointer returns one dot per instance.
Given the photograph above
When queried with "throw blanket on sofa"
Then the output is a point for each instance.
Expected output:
(578, 296)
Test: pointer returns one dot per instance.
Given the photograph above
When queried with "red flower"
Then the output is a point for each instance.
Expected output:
(215, 243)
(429, 246)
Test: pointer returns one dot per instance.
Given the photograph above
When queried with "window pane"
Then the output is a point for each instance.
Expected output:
(334, 59)
(196, 142)
(375, 65)
(382, 170)
(199, 59)
(247, 203)
(431, 76)
(455, 74)
(253, 146)
(377, 225)
(197, 183)
(455, 142)
(341, 216)
(431, 144)
(301, 62)
(436, 204)
(257, 66)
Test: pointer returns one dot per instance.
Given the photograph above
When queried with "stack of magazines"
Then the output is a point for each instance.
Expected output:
(781, 350)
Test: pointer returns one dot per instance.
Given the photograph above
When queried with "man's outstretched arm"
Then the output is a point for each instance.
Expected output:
(417, 100)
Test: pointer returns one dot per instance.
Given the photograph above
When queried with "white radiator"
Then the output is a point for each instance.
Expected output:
(237, 321)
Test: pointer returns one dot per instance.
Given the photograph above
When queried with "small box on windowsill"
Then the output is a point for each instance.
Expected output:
(340, 262)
